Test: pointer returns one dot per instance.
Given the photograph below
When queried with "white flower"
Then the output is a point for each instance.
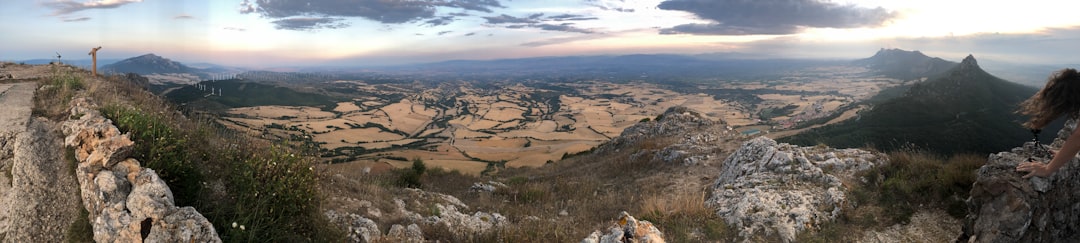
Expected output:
(242, 227)
(234, 224)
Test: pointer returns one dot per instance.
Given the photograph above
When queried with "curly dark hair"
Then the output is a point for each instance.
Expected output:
(1061, 95)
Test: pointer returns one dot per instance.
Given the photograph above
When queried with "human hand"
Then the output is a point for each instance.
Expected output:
(1034, 169)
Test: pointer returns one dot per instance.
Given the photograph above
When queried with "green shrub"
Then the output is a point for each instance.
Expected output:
(159, 146)
(410, 177)
(275, 198)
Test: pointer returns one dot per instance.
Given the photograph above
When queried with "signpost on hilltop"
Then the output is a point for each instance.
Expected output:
(93, 53)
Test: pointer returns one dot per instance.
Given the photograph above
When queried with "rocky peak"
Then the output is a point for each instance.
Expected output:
(969, 63)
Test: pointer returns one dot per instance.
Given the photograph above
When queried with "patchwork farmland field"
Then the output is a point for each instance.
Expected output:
(475, 126)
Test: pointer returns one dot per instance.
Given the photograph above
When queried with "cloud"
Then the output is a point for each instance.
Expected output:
(470, 34)
(183, 16)
(745, 17)
(609, 5)
(382, 11)
(63, 7)
(571, 17)
(720, 29)
(507, 19)
(306, 23)
(567, 27)
(79, 19)
(444, 32)
(235, 29)
(439, 21)
(538, 21)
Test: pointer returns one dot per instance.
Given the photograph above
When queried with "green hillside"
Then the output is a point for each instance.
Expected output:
(962, 110)
(238, 93)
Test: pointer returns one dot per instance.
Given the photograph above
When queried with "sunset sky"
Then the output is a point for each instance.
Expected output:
(267, 33)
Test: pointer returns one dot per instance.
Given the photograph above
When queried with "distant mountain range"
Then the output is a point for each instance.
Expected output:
(964, 109)
(149, 64)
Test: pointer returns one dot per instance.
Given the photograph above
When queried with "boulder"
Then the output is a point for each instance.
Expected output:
(779, 190)
(627, 229)
(1004, 207)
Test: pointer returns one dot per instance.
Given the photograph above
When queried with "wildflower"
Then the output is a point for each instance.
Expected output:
(242, 227)
(234, 224)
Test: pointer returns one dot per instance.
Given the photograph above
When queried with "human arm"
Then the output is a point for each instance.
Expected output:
(1067, 152)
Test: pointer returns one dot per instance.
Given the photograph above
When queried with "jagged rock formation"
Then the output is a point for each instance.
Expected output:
(700, 138)
(627, 229)
(1003, 207)
(126, 202)
(779, 190)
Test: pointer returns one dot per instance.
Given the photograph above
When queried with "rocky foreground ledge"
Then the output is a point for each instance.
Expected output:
(126, 202)
(1004, 207)
(779, 190)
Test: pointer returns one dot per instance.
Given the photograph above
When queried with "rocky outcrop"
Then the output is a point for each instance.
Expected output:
(627, 229)
(126, 202)
(676, 120)
(444, 212)
(1004, 207)
(361, 229)
(779, 190)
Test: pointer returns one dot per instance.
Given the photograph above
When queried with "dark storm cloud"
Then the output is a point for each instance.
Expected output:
(68, 6)
(302, 23)
(771, 17)
(383, 11)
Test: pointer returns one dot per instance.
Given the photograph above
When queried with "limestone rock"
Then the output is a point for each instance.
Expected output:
(676, 120)
(767, 188)
(410, 234)
(489, 186)
(627, 229)
(358, 228)
(1004, 207)
(126, 203)
(465, 224)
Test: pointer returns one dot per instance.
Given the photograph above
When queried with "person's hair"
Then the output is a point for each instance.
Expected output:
(1061, 95)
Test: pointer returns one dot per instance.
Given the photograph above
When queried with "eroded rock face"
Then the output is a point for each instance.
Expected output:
(126, 203)
(1004, 207)
(627, 229)
(779, 190)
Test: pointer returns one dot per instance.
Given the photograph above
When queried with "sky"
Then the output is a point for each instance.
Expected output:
(274, 33)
